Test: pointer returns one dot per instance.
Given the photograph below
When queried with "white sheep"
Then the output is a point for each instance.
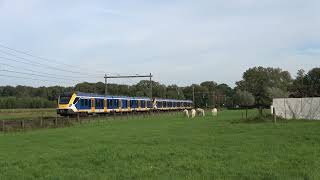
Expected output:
(193, 113)
(214, 112)
(186, 113)
(200, 112)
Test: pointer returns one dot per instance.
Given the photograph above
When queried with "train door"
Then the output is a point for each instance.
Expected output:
(129, 105)
(120, 105)
(92, 105)
(105, 105)
(139, 105)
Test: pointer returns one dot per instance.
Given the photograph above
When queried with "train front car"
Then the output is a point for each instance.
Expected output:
(66, 104)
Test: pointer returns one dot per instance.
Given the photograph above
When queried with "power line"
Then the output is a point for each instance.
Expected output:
(50, 74)
(42, 58)
(28, 54)
(18, 77)
(30, 62)
(32, 74)
(39, 65)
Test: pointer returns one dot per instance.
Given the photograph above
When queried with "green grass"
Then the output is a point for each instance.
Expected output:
(11, 114)
(165, 147)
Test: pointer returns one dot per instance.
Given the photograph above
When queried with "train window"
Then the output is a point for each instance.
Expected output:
(75, 100)
(115, 103)
(64, 99)
(134, 104)
(99, 103)
(109, 103)
(82, 102)
(143, 104)
(124, 104)
(149, 104)
(89, 102)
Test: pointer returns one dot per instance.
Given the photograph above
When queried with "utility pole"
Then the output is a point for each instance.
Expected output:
(106, 84)
(213, 101)
(150, 75)
(194, 104)
(106, 77)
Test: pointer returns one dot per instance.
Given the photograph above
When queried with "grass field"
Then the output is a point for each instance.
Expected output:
(165, 147)
(11, 114)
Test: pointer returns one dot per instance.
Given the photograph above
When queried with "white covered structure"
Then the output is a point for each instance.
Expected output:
(297, 108)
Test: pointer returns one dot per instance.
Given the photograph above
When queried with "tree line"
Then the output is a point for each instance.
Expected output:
(257, 88)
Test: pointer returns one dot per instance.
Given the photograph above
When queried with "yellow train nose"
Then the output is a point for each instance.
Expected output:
(63, 106)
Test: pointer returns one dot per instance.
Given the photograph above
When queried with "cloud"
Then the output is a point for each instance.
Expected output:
(179, 41)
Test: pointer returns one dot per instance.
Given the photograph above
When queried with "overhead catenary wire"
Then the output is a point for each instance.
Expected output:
(45, 59)
(35, 79)
(50, 74)
(30, 62)
(50, 65)
(32, 74)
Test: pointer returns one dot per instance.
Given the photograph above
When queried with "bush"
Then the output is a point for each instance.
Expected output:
(36, 102)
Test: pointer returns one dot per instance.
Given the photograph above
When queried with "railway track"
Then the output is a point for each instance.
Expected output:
(60, 121)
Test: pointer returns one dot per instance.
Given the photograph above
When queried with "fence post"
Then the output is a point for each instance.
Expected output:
(22, 124)
(3, 126)
(41, 121)
(300, 117)
(285, 108)
(274, 115)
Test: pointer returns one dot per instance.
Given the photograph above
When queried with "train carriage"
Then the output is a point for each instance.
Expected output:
(171, 104)
(86, 103)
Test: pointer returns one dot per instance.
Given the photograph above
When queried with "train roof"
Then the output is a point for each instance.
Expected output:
(108, 96)
(174, 100)
(127, 97)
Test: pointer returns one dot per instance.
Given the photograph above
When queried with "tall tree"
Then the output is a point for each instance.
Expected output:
(298, 88)
(257, 80)
(312, 82)
(210, 85)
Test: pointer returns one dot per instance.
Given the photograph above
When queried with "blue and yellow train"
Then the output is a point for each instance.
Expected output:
(86, 103)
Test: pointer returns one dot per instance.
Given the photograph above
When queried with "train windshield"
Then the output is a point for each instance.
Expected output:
(64, 99)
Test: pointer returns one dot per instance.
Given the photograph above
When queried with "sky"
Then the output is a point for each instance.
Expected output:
(178, 41)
